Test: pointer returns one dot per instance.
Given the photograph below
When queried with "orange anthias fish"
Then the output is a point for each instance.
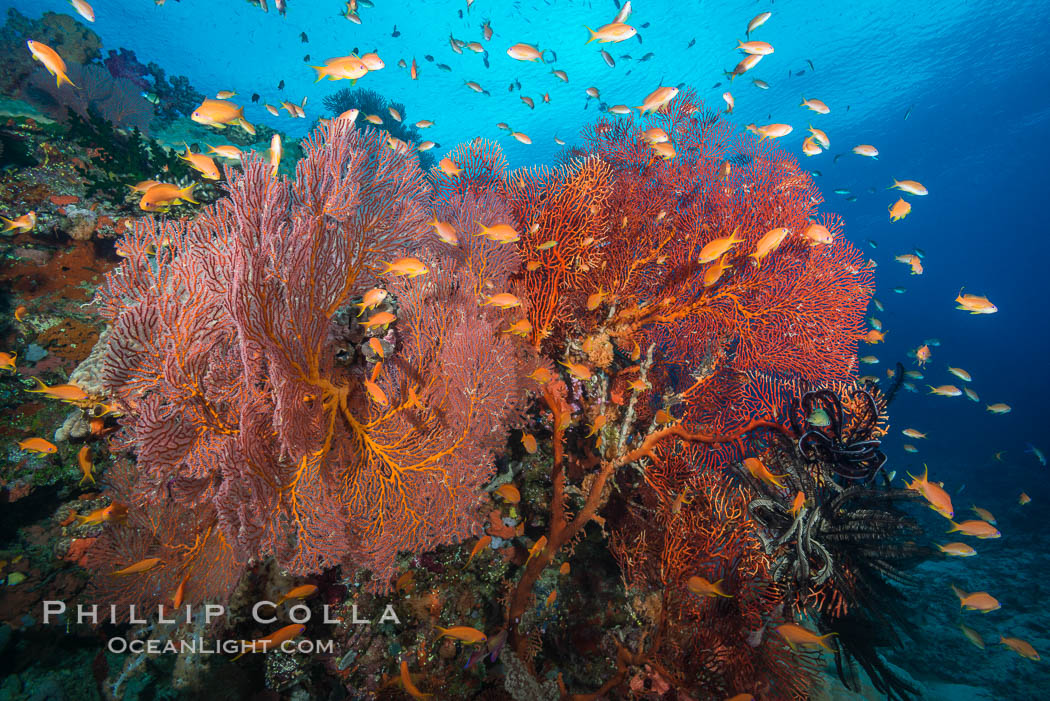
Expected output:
(974, 527)
(541, 375)
(772, 131)
(383, 319)
(377, 347)
(274, 154)
(525, 52)
(466, 634)
(769, 242)
(410, 688)
(409, 267)
(219, 113)
(983, 514)
(274, 639)
(657, 99)
(113, 512)
(704, 587)
(483, 542)
(180, 592)
(7, 361)
(578, 370)
(24, 223)
(1021, 647)
(529, 441)
(51, 60)
(957, 549)
(798, 503)
(933, 493)
(84, 460)
(818, 234)
(759, 471)
(509, 493)
(371, 299)
(376, 393)
(201, 163)
(611, 33)
(715, 271)
(976, 601)
(715, 248)
(922, 355)
(158, 197)
(300, 592)
(501, 233)
(796, 635)
(537, 548)
(66, 392)
(975, 304)
(503, 300)
(38, 445)
(521, 327)
(597, 425)
(445, 231)
(899, 209)
(139, 567)
(83, 9)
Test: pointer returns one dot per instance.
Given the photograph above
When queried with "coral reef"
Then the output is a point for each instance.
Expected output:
(75, 42)
(115, 100)
(370, 102)
(573, 408)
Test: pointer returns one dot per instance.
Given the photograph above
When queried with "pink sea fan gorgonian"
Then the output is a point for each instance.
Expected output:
(223, 356)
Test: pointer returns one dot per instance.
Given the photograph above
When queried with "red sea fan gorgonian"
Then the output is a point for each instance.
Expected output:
(237, 359)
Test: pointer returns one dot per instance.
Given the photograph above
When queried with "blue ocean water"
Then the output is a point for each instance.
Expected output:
(951, 94)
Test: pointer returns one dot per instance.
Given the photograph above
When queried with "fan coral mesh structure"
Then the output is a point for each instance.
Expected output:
(277, 407)
(223, 356)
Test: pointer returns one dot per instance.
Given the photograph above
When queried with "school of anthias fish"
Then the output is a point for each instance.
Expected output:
(222, 112)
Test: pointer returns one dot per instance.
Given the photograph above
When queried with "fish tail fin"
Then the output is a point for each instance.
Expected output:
(10, 224)
(322, 72)
(824, 641)
(442, 631)
(41, 387)
(60, 76)
(186, 193)
(730, 74)
(594, 34)
(959, 593)
(955, 526)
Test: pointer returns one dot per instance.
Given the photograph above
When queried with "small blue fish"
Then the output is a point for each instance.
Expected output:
(842, 191)
(872, 243)
(934, 342)
(1037, 453)
(878, 304)
(900, 290)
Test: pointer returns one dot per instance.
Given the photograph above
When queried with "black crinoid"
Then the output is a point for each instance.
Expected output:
(839, 549)
(850, 442)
